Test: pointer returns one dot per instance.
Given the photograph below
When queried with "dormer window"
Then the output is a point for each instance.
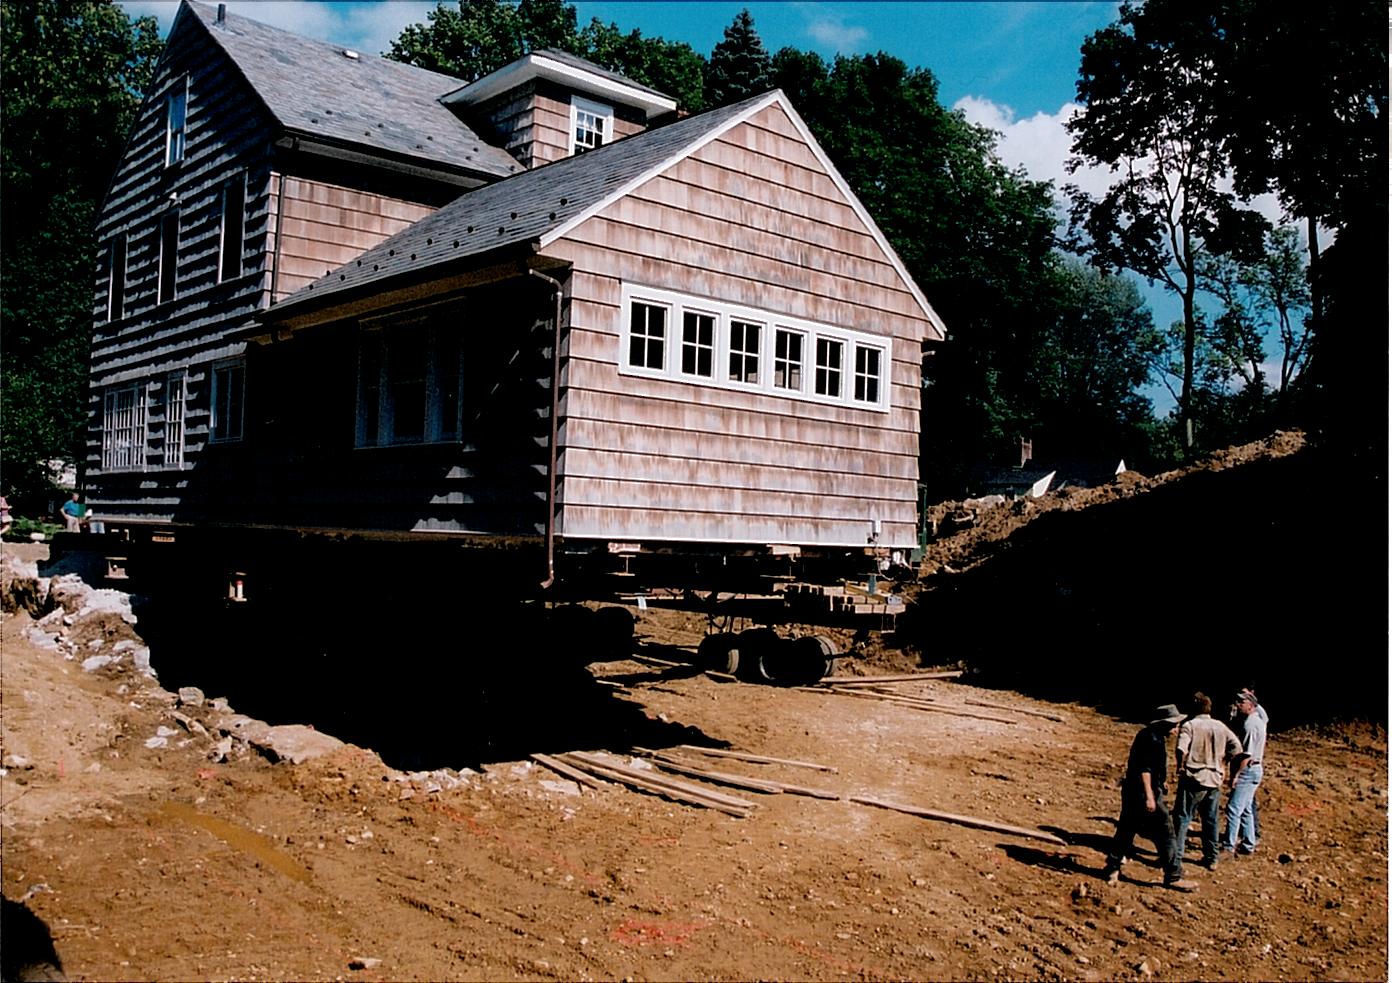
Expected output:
(591, 122)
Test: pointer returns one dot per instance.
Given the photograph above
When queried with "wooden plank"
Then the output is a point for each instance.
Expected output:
(756, 758)
(1014, 709)
(574, 774)
(949, 817)
(743, 781)
(654, 782)
(903, 677)
(907, 701)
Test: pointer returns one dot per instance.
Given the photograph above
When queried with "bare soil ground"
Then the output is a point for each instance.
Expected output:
(163, 863)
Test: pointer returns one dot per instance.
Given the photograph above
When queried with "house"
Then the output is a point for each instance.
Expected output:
(329, 304)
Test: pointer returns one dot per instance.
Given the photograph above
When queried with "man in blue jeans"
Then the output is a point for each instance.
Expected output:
(1241, 815)
(1202, 752)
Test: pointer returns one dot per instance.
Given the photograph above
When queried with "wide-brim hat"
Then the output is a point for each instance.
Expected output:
(1167, 714)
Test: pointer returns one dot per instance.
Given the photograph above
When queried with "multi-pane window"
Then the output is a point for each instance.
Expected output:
(592, 124)
(229, 399)
(647, 336)
(123, 428)
(828, 376)
(667, 335)
(232, 230)
(867, 374)
(744, 351)
(168, 256)
(175, 398)
(175, 123)
(116, 278)
(787, 360)
(410, 383)
(698, 344)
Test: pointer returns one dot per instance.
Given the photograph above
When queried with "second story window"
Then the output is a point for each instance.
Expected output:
(168, 256)
(592, 124)
(116, 278)
(828, 367)
(175, 120)
(647, 336)
(233, 226)
(698, 344)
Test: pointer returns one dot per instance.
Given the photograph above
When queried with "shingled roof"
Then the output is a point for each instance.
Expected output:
(321, 90)
(524, 208)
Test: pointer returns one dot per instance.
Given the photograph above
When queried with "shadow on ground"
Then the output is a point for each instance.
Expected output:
(422, 687)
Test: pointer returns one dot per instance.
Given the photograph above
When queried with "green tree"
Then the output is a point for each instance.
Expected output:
(475, 37)
(739, 65)
(72, 75)
(1152, 99)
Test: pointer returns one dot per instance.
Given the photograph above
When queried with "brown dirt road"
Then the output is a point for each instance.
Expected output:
(158, 863)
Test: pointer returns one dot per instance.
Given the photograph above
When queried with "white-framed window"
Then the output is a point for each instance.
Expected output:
(647, 336)
(175, 400)
(867, 373)
(229, 400)
(668, 335)
(116, 277)
(176, 123)
(232, 229)
(828, 375)
(168, 257)
(698, 344)
(410, 383)
(744, 351)
(591, 124)
(787, 359)
(123, 428)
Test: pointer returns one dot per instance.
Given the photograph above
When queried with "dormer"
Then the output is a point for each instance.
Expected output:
(550, 104)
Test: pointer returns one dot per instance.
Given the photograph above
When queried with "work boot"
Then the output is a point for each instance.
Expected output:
(1182, 885)
(1111, 875)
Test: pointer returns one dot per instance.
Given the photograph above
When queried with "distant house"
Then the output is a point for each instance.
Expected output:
(344, 294)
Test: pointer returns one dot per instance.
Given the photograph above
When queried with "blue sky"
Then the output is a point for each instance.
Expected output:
(1009, 66)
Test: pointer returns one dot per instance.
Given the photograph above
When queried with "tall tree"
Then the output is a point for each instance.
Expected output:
(1152, 97)
(73, 75)
(739, 65)
(474, 37)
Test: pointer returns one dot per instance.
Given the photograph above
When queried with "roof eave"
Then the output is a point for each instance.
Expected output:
(305, 141)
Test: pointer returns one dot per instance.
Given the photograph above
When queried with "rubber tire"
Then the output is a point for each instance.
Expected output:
(719, 653)
(752, 646)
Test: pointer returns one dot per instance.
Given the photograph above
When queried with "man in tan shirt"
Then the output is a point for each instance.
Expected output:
(1202, 751)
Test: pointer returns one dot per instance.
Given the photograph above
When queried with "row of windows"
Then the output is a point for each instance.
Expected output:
(695, 340)
(231, 239)
(128, 443)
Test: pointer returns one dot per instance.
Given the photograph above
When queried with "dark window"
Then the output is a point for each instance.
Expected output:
(168, 256)
(698, 344)
(744, 351)
(647, 336)
(175, 120)
(787, 360)
(828, 367)
(116, 278)
(233, 224)
(229, 397)
(867, 374)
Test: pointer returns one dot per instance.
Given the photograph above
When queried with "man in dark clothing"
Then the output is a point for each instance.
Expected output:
(1143, 808)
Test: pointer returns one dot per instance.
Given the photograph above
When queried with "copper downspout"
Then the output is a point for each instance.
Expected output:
(551, 442)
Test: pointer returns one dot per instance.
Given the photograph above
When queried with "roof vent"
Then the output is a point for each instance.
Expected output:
(350, 53)
(222, 13)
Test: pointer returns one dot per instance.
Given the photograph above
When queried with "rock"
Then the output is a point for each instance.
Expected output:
(1080, 891)
(105, 601)
(21, 588)
(364, 962)
(294, 743)
(220, 704)
(141, 659)
(219, 751)
(69, 592)
(241, 726)
(18, 761)
(190, 696)
(163, 731)
(95, 662)
(1285, 858)
(189, 724)
(561, 788)
(155, 742)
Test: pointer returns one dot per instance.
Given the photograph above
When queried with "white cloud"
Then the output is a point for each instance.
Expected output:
(1039, 144)
(366, 26)
(832, 31)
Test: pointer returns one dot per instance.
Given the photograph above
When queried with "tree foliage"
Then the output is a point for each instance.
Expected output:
(739, 65)
(73, 75)
(475, 37)
(1153, 112)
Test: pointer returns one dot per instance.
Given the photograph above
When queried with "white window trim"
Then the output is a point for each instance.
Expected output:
(115, 421)
(605, 114)
(169, 159)
(770, 323)
(217, 430)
